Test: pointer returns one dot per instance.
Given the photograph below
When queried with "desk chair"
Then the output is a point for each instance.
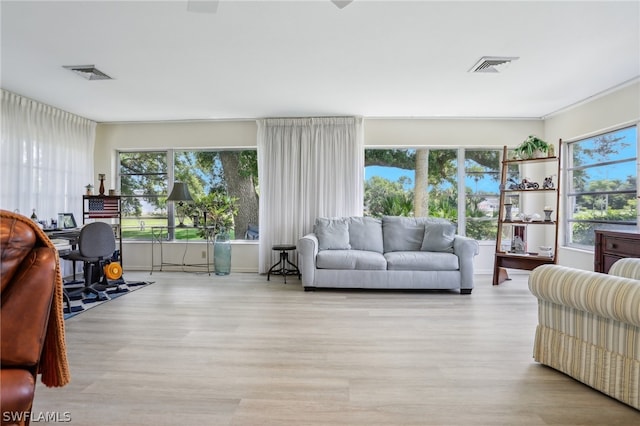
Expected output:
(96, 245)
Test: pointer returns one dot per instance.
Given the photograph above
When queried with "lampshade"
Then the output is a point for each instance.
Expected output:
(180, 192)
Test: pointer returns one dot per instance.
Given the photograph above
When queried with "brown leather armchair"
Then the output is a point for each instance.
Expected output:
(31, 317)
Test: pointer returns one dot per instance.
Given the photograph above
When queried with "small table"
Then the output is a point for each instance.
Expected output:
(160, 234)
(281, 268)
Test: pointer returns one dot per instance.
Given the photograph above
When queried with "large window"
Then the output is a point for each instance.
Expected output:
(223, 185)
(457, 184)
(602, 188)
(143, 187)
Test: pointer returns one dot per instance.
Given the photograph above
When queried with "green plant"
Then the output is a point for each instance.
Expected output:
(530, 145)
(219, 208)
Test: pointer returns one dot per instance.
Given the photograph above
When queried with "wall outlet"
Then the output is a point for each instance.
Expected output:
(204, 254)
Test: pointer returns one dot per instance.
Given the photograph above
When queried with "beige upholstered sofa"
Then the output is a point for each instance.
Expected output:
(589, 326)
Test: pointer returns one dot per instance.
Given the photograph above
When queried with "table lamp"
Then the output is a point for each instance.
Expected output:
(180, 194)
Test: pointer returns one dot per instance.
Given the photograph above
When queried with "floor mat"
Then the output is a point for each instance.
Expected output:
(87, 301)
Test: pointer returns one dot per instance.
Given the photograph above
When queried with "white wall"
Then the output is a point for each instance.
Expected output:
(599, 114)
(111, 137)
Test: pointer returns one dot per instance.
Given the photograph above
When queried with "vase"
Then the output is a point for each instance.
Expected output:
(507, 215)
(222, 254)
(101, 189)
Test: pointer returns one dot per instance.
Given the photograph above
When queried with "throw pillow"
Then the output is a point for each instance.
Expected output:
(333, 234)
(438, 237)
(365, 233)
(402, 233)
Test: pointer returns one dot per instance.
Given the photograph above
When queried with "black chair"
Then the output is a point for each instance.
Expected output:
(96, 246)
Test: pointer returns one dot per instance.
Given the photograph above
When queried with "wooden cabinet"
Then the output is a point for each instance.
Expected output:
(511, 240)
(614, 245)
(101, 207)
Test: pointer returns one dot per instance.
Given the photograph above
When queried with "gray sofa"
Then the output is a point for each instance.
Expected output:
(391, 253)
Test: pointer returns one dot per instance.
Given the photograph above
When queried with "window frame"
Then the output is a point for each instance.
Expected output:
(170, 176)
(569, 196)
(461, 175)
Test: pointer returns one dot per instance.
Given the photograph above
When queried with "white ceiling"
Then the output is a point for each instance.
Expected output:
(309, 58)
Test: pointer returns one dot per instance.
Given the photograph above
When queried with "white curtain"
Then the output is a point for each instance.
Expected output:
(309, 167)
(46, 158)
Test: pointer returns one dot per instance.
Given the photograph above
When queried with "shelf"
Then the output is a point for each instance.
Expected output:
(518, 227)
(533, 222)
(529, 256)
(531, 160)
(105, 207)
(529, 190)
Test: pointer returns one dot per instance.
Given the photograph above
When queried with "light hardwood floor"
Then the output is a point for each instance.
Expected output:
(238, 350)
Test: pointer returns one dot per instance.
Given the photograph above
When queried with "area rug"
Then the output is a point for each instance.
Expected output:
(75, 307)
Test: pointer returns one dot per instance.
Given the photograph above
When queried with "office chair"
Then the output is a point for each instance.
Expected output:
(96, 245)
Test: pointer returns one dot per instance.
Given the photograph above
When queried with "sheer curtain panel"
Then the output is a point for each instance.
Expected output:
(309, 167)
(46, 158)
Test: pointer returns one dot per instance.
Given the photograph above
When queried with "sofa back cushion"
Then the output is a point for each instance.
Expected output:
(332, 233)
(438, 237)
(406, 233)
(365, 233)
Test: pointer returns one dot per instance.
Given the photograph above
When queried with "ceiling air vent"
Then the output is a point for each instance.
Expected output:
(341, 4)
(90, 72)
(489, 64)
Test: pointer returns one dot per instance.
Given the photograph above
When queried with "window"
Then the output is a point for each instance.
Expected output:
(223, 185)
(143, 187)
(602, 188)
(427, 182)
(482, 196)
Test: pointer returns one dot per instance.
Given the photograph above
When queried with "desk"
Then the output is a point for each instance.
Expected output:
(62, 245)
(72, 234)
(161, 233)
(65, 240)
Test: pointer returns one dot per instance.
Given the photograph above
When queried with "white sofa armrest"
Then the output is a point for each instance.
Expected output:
(307, 249)
(465, 248)
(608, 296)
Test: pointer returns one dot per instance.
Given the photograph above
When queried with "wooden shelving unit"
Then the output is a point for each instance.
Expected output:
(508, 257)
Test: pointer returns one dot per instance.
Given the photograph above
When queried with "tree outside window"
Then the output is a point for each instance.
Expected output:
(426, 182)
(224, 184)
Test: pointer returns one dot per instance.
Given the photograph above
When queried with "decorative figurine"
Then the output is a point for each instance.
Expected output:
(524, 184)
(101, 177)
(527, 184)
(548, 183)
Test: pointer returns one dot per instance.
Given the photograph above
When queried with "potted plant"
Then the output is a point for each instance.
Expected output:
(532, 147)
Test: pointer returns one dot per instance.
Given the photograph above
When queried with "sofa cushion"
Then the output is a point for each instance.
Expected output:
(438, 237)
(421, 261)
(332, 233)
(402, 233)
(365, 233)
(350, 259)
